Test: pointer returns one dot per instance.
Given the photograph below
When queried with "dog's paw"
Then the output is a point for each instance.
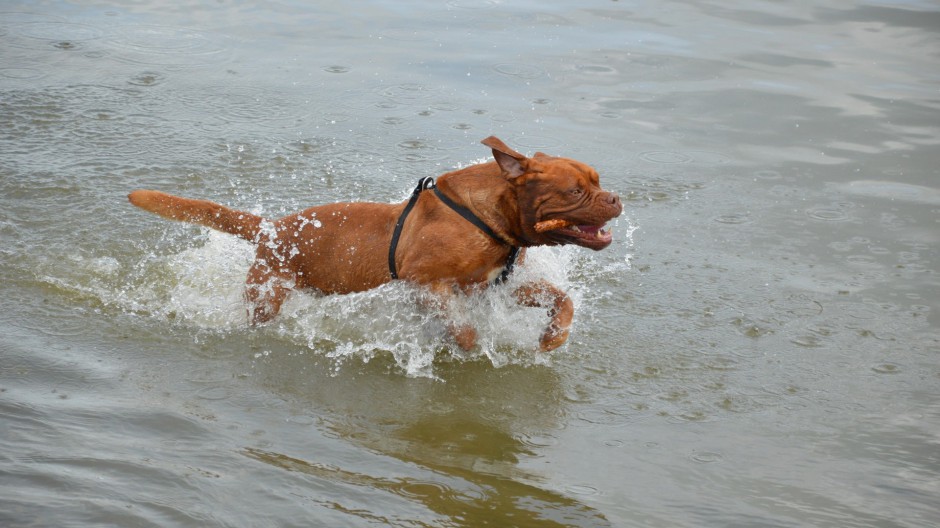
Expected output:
(553, 338)
(465, 335)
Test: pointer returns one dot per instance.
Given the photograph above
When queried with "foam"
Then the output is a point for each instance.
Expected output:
(201, 287)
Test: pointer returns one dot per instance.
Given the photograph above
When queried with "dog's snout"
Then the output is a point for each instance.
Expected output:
(614, 201)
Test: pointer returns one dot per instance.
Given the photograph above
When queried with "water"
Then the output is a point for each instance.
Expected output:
(759, 347)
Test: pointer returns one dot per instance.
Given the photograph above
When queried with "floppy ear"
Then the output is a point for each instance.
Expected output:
(511, 162)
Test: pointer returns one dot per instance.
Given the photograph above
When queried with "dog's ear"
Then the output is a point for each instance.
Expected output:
(511, 162)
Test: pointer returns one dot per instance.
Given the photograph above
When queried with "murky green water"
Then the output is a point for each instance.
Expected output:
(759, 347)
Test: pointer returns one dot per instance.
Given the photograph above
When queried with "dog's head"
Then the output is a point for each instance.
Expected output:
(560, 199)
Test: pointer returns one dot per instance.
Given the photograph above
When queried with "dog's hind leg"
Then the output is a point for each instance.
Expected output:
(265, 290)
(437, 297)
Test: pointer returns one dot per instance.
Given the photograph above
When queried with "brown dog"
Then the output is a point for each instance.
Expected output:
(465, 234)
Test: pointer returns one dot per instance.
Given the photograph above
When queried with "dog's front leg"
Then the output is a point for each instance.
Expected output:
(542, 294)
(437, 298)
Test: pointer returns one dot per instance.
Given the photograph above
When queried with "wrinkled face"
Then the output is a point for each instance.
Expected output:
(562, 203)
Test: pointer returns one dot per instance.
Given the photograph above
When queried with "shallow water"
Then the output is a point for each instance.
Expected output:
(759, 347)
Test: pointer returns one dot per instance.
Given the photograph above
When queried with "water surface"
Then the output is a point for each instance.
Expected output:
(759, 347)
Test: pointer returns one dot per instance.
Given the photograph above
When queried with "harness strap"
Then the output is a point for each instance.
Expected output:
(467, 214)
(423, 183)
(508, 267)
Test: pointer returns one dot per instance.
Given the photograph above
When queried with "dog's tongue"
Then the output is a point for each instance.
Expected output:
(589, 229)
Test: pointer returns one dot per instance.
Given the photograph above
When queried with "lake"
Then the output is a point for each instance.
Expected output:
(760, 345)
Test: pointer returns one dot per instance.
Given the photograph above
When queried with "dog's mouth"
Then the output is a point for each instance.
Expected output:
(590, 236)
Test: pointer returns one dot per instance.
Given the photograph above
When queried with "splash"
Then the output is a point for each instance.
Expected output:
(201, 287)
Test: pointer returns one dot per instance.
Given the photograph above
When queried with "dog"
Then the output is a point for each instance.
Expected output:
(458, 235)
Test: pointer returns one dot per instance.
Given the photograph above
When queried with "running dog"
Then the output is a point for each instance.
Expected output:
(463, 232)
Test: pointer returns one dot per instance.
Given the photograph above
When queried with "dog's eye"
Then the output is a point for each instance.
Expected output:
(577, 191)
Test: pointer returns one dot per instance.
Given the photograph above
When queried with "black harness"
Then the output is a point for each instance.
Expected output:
(428, 183)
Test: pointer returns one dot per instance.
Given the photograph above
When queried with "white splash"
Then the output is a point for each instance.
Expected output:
(202, 287)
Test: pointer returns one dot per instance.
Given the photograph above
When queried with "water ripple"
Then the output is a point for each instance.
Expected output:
(22, 73)
(669, 157)
(408, 92)
(167, 46)
(705, 457)
(538, 142)
(262, 106)
(58, 31)
(521, 71)
(147, 78)
(893, 190)
(734, 218)
(887, 368)
(828, 214)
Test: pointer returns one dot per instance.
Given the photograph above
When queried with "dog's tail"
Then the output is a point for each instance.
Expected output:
(202, 212)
